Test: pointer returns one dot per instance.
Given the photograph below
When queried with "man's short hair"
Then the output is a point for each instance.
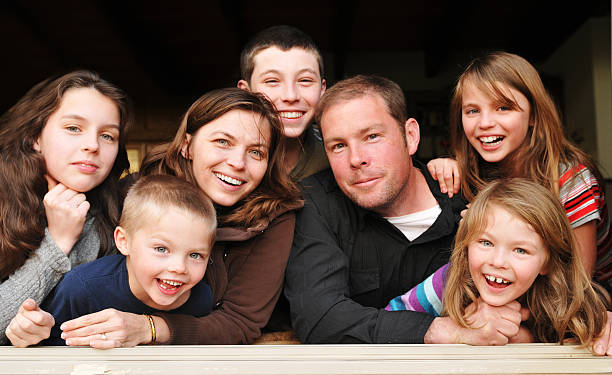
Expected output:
(282, 36)
(362, 85)
(151, 196)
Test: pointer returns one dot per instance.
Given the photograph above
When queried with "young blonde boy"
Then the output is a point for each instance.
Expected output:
(165, 236)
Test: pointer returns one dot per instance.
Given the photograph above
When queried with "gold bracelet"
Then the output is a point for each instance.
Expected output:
(153, 333)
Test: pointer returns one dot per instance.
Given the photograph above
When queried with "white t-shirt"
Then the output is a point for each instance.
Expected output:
(413, 225)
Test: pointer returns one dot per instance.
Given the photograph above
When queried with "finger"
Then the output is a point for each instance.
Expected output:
(524, 314)
(39, 317)
(77, 199)
(83, 208)
(104, 344)
(602, 345)
(431, 167)
(28, 305)
(448, 181)
(456, 180)
(85, 321)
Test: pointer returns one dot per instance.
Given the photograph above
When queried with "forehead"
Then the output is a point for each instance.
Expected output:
(293, 59)
(355, 113)
(241, 124)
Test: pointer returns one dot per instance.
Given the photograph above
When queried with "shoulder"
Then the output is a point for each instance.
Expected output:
(105, 266)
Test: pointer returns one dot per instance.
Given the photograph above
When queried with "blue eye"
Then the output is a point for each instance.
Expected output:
(73, 128)
(196, 256)
(520, 251)
(161, 249)
(486, 243)
(222, 142)
(108, 137)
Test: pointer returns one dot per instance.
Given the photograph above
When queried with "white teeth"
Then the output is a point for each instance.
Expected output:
(290, 114)
(491, 139)
(498, 280)
(228, 179)
(173, 283)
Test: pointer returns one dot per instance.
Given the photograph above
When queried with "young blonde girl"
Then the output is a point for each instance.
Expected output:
(540, 266)
(505, 124)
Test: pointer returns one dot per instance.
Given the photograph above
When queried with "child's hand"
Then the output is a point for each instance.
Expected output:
(603, 344)
(30, 326)
(107, 329)
(446, 172)
(524, 336)
(66, 211)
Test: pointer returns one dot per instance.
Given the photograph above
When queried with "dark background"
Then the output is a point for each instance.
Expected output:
(165, 54)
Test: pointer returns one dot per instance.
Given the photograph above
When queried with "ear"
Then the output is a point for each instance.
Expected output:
(323, 87)
(121, 240)
(185, 147)
(413, 135)
(36, 145)
(244, 85)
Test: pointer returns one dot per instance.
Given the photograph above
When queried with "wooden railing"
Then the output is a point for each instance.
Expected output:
(306, 359)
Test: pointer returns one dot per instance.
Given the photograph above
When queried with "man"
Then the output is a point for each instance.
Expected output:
(375, 228)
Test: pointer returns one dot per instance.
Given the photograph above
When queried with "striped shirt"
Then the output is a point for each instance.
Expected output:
(584, 201)
(425, 297)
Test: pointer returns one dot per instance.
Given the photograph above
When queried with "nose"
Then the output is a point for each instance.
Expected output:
(358, 158)
(235, 159)
(290, 93)
(177, 264)
(90, 143)
(497, 258)
(487, 119)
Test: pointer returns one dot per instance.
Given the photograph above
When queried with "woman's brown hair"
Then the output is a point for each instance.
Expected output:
(545, 147)
(563, 302)
(22, 169)
(276, 192)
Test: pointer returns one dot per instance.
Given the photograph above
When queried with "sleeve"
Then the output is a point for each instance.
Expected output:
(250, 297)
(424, 297)
(317, 287)
(70, 299)
(580, 195)
(35, 279)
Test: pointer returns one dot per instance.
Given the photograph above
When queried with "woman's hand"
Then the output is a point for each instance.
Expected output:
(446, 172)
(30, 326)
(66, 211)
(112, 329)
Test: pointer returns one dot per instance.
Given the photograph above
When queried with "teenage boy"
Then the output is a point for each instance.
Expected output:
(165, 236)
(284, 63)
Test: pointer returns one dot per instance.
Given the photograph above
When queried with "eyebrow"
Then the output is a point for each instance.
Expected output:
(81, 118)
(231, 137)
(361, 133)
(276, 71)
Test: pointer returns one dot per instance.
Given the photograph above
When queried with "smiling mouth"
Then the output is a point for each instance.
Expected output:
(497, 282)
(169, 284)
(492, 140)
(229, 180)
(291, 115)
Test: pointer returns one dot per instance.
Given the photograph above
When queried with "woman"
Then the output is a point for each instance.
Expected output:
(230, 144)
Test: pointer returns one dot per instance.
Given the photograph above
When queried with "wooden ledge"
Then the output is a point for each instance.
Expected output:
(306, 359)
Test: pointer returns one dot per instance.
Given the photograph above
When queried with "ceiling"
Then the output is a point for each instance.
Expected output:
(173, 51)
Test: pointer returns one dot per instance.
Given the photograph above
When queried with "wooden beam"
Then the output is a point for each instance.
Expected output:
(306, 359)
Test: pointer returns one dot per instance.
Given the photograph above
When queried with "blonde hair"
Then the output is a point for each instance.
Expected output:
(561, 302)
(150, 197)
(545, 146)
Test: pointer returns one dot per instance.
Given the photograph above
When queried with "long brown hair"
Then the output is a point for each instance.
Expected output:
(545, 146)
(564, 300)
(276, 192)
(22, 169)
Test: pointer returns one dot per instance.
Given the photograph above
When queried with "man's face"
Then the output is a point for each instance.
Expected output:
(369, 154)
(293, 83)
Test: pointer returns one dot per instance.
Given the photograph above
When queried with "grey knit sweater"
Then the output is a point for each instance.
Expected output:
(43, 270)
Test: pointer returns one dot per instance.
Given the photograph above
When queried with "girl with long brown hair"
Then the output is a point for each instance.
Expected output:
(62, 150)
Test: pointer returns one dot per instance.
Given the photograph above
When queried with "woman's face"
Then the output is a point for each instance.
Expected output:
(229, 155)
(80, 140)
